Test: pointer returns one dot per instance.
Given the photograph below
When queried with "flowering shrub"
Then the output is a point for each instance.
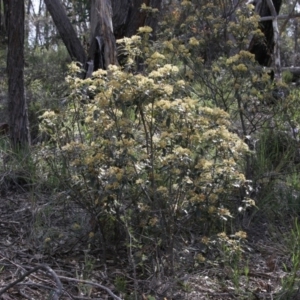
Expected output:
(143, 156)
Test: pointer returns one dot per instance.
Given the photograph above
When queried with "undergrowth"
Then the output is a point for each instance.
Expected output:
(148, 162)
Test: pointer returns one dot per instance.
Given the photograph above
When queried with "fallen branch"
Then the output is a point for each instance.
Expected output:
(280, 17)
(92, 283)
(57, 291)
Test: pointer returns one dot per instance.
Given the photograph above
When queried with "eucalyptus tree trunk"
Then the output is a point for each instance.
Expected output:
(3, 18)
(128, 17)
(66, 30)
(120, 18)
(263, 50)
(103, 50)
(27, 22)
(152, 19)
(276, 41)
(18, 122)
(110, 19)
(37, 26)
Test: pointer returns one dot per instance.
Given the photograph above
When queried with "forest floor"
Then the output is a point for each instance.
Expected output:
(34, 232)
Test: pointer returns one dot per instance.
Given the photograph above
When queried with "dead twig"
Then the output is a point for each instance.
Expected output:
(22, 293)
(42, 286)
(92, 283)
(57, 291)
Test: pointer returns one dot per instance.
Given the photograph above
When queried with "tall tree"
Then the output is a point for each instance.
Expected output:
(18, 123)
(102, 52)
(263, 50)
(109, 20)
(66, 30)
(3, 18)
(128, 17)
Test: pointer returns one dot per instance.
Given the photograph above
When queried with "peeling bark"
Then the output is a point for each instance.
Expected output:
(103, 51)
(110, 20)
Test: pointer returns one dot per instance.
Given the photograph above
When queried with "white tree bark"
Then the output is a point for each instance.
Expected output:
(276, 52)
